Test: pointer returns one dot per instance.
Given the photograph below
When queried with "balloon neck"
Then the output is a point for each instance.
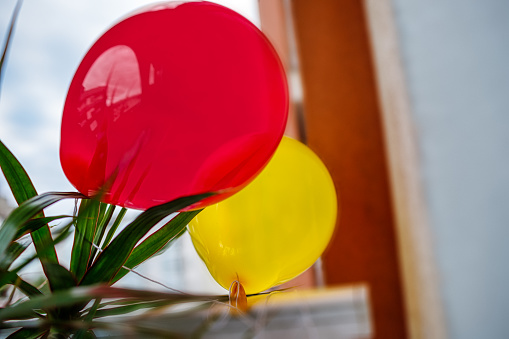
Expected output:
(238, 299)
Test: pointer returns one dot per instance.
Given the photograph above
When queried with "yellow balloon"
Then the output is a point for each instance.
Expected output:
(273, 229)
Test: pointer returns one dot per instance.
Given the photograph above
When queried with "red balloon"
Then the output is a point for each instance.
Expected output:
(175, 100)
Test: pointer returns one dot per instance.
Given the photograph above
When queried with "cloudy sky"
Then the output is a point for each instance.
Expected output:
(50, 39)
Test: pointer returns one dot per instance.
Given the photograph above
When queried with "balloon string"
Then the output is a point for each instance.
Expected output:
(163, 285)
(256, 324)
(260, 322)
(145, 277)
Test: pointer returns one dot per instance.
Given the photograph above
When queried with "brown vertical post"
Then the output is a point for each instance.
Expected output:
(344, 128)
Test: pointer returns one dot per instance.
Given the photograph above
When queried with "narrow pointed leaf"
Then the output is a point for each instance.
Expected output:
(23, 189)
(101, 228)
(16, 176)
(13, 279)
(17, 247)
(86, 223)
(24, 212)
(36, 223)
(114, 228)
(121, 310)
(155, 242)
(79, 295)
(61, 278)
(20, 216)
(110, 261)
(60, 236)
(13, 252)
(9, 36)
(27, 333)
(28, 289)
(90, 316)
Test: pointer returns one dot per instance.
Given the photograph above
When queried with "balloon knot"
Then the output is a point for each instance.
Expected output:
(238, 299)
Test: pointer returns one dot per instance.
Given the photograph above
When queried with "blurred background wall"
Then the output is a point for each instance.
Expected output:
(455, 58)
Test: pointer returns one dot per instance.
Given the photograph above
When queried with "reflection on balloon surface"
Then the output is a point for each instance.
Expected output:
(173, 101)
(273, 229)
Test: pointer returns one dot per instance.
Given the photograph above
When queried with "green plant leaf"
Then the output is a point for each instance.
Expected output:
(110, 261)
(16, 176)
(23, 213)
(61, 278)
(13, 252)
(60, 236)
(114, 227)
(101, 228)
(158, 240)
(23, 189)
(36, 223)
(123, 327)
(13, 279)
(9, 35)
(11, 276)
(85, 227)
(141, 305)
(27, 288)
(27, 333)
(20, 216)
(125, 309)
(81, 294)
(83, 333)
